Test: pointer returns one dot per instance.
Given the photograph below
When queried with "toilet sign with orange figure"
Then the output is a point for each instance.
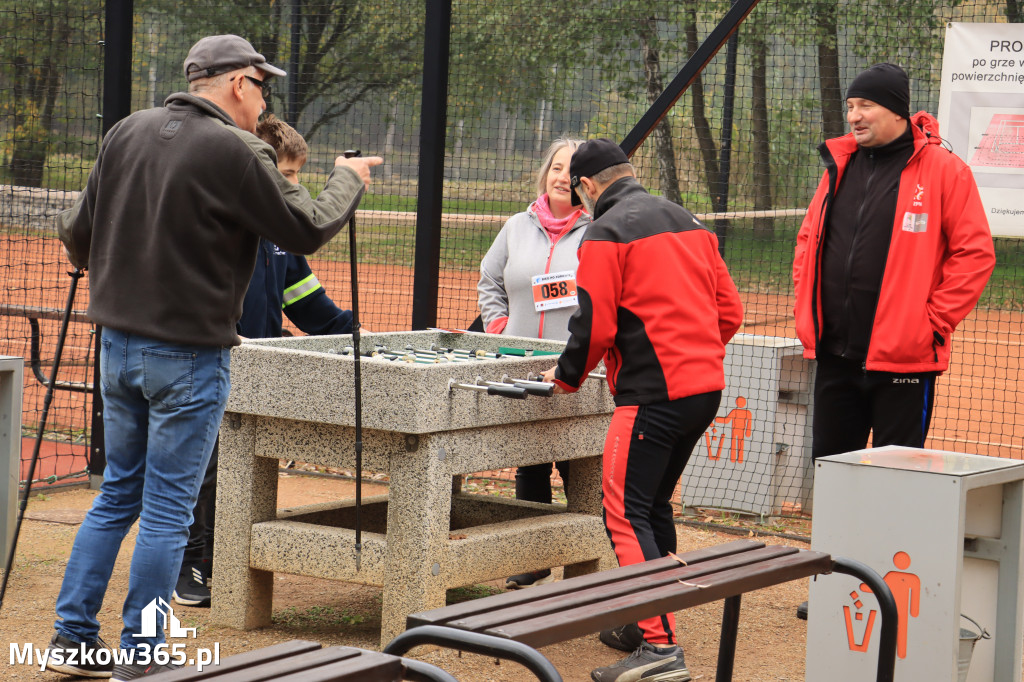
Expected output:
(754, 453)
(906, 590)
(738, 425)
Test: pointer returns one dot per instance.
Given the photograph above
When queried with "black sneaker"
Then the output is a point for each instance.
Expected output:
(801, 611)
(529, 579)
(133, 671)
(649, 663)
(191, 589)
(624, 638)
(84, 659)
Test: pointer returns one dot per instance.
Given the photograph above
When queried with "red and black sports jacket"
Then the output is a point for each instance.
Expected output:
(939, 259)
(656, 301)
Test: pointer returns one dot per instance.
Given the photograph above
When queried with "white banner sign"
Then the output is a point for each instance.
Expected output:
(981, 114)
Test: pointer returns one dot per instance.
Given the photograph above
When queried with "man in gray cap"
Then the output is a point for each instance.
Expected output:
(168, 226)
(656, 302)
(893, 253)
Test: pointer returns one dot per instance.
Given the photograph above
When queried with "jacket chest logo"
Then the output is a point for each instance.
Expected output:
(915, 222)
(912, 221)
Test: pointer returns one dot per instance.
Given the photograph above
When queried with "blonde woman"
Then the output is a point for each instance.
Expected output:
(539, 242)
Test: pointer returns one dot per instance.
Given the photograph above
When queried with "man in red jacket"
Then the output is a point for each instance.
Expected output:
(893, 253)
(656, 302)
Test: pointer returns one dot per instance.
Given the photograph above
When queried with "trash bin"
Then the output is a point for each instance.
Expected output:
(945, 531)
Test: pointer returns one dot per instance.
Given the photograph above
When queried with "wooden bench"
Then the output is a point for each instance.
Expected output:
(303, 661)
(586, 604)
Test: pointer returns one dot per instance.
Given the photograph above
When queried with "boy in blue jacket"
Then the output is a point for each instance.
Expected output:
(281, 284)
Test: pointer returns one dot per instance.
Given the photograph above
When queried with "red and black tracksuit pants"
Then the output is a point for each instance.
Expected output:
(644, 455)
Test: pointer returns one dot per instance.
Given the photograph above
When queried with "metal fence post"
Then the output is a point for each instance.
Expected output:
(117, 102)
(431, 162)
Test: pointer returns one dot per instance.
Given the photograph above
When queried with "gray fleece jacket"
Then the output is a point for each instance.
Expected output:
(170, 220)
(521, 250)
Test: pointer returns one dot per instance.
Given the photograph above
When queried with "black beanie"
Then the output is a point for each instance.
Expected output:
(885, 84)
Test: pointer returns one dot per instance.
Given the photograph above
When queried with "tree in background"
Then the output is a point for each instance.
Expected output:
(347, 49)
(514, 62)
(42, 39)
(754, 31)
(631, 42)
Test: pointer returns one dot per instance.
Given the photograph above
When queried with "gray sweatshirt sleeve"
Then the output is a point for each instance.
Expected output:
(491, 294)
(299, 224)
(74, 227)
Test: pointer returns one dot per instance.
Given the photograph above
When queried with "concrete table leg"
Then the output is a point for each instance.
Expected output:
(419, 517)
(584, 497)
(246, 494)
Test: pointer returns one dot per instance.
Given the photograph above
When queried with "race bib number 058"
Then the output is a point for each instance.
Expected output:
(554, 290)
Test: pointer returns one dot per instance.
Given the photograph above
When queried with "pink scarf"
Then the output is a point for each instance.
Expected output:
(555, 227)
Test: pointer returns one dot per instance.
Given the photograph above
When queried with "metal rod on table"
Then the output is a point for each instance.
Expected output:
(531, 387)
(535, 378)
(358, 378)
(478, 353)
(541, 388)
(491, 388)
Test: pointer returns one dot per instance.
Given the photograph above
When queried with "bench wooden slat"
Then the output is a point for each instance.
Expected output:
(557, 627)
(446, 614)
(371, 666)
(305, 662)
(243, 661)
(602, 594)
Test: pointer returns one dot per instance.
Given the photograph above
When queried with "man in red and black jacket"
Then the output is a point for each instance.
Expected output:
(656, 302)
(893, 253)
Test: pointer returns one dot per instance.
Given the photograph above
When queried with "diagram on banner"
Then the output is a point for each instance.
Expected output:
(981, 115)
(1002, 143)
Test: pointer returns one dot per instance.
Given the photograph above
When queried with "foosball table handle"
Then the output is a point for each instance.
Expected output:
(508, 391)
(480, 385)
(537, 388)
(541, 388)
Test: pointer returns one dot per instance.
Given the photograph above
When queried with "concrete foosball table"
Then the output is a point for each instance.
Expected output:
(293, 399)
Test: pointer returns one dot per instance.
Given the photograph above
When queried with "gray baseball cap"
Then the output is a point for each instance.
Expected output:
(219, 54)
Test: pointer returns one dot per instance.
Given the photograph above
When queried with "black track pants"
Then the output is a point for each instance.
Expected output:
(850, 403)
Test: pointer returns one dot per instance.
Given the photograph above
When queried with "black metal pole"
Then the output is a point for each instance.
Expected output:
(353, 260)
(476, 643)
(292, 106)
(886, 604)
(76, 274)
(117, 104)
(727, 639)
(433, 119)
(117, 62)
(721, 199)
(657, 111)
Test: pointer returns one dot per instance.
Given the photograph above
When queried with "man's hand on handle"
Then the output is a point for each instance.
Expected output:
(549, 377)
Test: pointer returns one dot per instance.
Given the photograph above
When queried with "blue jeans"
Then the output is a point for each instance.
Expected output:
(162, 407)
